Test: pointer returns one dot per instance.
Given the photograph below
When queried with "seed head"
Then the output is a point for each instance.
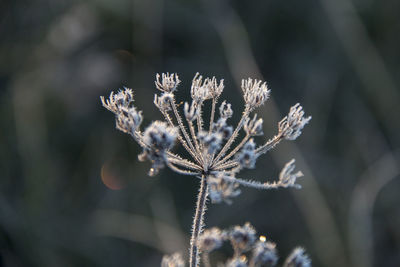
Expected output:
(247, 157)
(264, 254)
(163, 102)
(200, 90)
(215, 88)
(210, 239)
(221, 189)
(210, 141)
(221, 127)
(255, 92)
(124, 98)
(225, 110)
(203, 90)
(128, 119)
(291, 125)
(242, 237)
(168, 83)
(287, 178)
(158, 138)
(253, 127)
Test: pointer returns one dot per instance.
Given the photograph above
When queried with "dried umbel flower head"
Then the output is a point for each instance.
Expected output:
(247, 156)
(211, 142)
(293, 123)
(215, 155)
(168, 83)
(242, 237)
(253, 127)
(255, 92)
(162, 102)
(158, 138)
(221, 189)
(128, 119)
(211, 239)
(206, 89)
(264, 253)
(225, 110)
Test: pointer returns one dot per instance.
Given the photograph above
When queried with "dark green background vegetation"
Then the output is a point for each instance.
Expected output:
(61, 158)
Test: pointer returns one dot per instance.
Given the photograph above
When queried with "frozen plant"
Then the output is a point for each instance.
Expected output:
(249, 250)
(216, 156)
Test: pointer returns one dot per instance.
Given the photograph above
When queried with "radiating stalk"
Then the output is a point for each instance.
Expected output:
(233, 136)
(233, 152)
(214, 102)
(198, 222)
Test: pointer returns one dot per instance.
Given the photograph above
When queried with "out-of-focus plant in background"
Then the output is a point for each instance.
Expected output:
(72, 191)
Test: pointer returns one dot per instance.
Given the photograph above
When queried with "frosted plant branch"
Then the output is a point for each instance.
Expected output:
(213, 158)
(176, 159)
(180, 123)
(194, 137)
(181, 171)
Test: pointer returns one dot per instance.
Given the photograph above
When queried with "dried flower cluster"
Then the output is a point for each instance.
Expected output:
(216, 156)
(248, 249)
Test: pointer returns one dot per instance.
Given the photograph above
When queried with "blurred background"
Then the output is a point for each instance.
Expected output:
(72, 190)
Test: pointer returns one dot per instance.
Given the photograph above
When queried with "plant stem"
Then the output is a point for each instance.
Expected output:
(198, 222)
